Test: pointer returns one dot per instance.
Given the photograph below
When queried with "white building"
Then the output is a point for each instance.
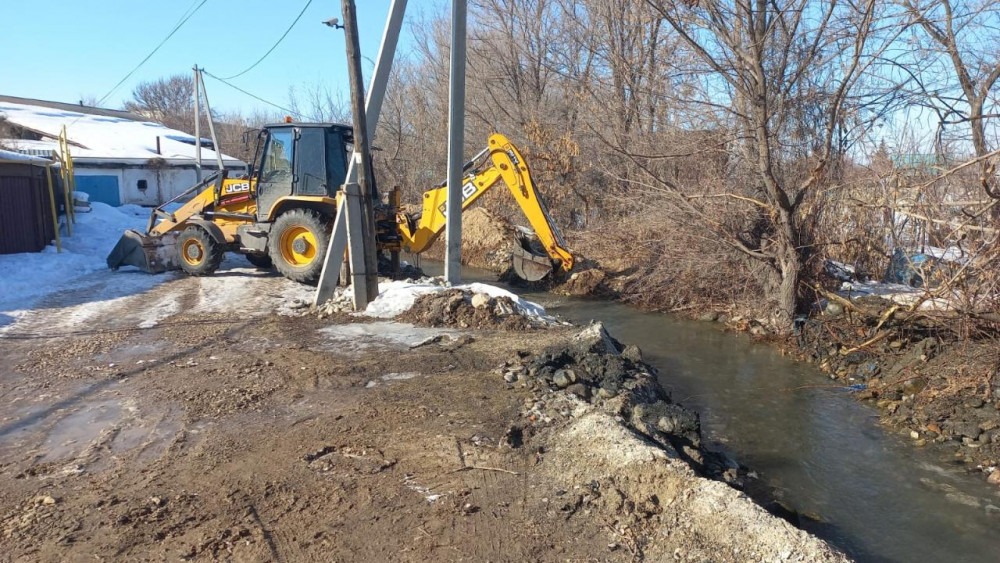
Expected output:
(118, 156)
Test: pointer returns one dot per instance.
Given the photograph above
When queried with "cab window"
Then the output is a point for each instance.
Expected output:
(277, 165)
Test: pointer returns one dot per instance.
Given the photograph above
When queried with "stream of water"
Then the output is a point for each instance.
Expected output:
(874, 494)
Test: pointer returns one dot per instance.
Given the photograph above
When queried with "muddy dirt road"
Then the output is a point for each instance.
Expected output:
(213, 419)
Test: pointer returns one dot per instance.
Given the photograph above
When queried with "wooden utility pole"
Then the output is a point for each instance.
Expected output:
(361, 150)
(376, 93)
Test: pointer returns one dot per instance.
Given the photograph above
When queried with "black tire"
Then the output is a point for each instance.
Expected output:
(200, 254)
(297, 244)
(262, 261)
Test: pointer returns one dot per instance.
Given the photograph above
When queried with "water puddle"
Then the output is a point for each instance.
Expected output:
(80, 427)
(79, 430)
(356, 338)
(133, 352)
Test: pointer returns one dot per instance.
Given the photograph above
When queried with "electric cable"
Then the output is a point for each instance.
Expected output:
(254, 96)
(179, 24)
(273, 47)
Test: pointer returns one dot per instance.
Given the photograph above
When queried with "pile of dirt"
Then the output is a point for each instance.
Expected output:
(595, 368)
(487, 241)
(465, 309)
(584, 283)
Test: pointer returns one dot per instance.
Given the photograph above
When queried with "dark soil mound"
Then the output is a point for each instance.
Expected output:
(463, 309)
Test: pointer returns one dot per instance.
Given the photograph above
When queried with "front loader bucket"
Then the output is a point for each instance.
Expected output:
(530, 266)
(153, 254)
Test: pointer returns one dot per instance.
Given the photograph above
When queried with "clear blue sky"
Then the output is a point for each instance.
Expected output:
(65, 50)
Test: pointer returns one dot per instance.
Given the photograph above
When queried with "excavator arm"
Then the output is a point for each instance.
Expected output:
(499, 162)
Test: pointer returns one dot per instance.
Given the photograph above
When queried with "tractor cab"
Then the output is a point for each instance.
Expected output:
(298, 160)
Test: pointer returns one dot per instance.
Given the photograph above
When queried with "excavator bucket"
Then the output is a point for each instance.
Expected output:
(530, 266)
(153, 254)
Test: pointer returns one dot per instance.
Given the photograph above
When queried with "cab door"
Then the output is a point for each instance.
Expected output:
(276, 177)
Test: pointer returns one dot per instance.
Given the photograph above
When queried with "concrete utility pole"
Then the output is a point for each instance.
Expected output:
(211, 124)
(361, 151)
(197, 125)
(376, 93)
(456, 142)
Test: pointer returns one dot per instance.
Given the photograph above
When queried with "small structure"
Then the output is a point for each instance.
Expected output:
(26, 203)
(119, 157)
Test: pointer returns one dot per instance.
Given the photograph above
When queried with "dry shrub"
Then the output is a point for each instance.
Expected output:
(666, 263)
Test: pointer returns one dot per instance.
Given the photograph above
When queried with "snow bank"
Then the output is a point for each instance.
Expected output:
(107, 136)
(28, 276)
(397, 297)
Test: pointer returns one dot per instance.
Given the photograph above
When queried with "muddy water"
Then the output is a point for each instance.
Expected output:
(870, 491)
(875, 496)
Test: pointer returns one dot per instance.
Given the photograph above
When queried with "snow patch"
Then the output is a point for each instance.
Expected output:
(400, 376)
(238, 287)
(397, 297)
(29, 276)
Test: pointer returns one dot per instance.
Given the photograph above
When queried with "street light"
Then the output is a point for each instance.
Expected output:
(334, 23)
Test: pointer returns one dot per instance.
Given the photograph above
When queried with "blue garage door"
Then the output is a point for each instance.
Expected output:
(100, 188)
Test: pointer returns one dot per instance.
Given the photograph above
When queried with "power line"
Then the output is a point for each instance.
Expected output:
(180, 23)
(273, 47)
(254, 96)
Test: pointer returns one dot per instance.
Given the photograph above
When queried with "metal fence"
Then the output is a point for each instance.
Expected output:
(26, 222)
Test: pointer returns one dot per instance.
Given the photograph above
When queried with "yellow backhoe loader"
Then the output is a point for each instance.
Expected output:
(282, 212)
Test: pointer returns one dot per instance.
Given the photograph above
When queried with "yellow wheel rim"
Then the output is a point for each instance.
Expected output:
(298, 246)
(192, 251)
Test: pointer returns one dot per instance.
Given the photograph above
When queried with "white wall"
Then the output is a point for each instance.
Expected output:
(130, 187)
(174, 181)
(161, 184)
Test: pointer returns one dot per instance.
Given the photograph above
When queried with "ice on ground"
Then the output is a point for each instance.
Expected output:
(238, 287)
(397, 297)
(355, 338)
(392, 377)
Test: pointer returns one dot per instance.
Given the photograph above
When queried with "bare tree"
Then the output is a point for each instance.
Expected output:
(965, 36)
(317, 103)
(766, 63)
(166, 100)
